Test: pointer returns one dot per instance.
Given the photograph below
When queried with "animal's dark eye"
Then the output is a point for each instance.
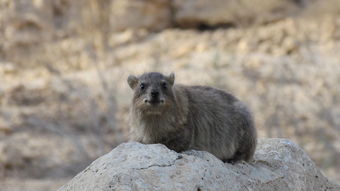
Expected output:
(142, 86)
(164, 85)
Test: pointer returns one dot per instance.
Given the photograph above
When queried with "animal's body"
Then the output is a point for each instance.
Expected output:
(190, 117)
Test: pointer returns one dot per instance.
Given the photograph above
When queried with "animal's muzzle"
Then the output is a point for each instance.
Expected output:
(154, 98)
(154, 94)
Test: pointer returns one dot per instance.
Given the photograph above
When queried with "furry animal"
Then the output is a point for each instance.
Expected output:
(190, 117)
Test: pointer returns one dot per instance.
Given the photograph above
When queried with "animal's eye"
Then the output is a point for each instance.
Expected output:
(164, 85)
(142, 86)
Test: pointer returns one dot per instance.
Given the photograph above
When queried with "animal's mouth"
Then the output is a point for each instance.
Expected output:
(153, 107)
(154, 102)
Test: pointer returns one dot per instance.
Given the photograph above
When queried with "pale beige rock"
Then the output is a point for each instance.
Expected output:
(223, 12)
(136, 14)
(27, 22)
(279, 165)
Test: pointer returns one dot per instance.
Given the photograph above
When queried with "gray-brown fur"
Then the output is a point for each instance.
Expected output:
(190, 117)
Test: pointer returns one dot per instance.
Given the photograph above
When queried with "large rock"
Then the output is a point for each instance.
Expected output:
(33, 22)
(191, 13)
(279, 165)
(136, 14)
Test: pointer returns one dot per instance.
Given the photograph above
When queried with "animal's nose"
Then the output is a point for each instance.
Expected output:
(154, 93)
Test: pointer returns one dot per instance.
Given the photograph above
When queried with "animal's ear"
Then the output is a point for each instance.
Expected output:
(171, 78)
(132, 81)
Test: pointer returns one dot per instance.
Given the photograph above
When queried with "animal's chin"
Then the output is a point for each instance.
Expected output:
(150, 113)
(155, 108)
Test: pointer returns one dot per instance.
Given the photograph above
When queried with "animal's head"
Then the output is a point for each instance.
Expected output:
(152, 92)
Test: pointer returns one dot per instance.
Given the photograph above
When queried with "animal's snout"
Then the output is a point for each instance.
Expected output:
(154, 97)
(154, 93)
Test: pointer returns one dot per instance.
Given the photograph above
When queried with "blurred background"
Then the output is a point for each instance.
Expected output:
(63, 68)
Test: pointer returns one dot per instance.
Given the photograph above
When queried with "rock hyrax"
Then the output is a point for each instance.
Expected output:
(190, 117)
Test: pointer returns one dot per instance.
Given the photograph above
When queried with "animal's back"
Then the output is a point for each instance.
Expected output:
(221, 123)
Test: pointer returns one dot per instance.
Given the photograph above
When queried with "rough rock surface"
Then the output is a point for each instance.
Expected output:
(279, 165)
(217, 12)
(125, 14)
